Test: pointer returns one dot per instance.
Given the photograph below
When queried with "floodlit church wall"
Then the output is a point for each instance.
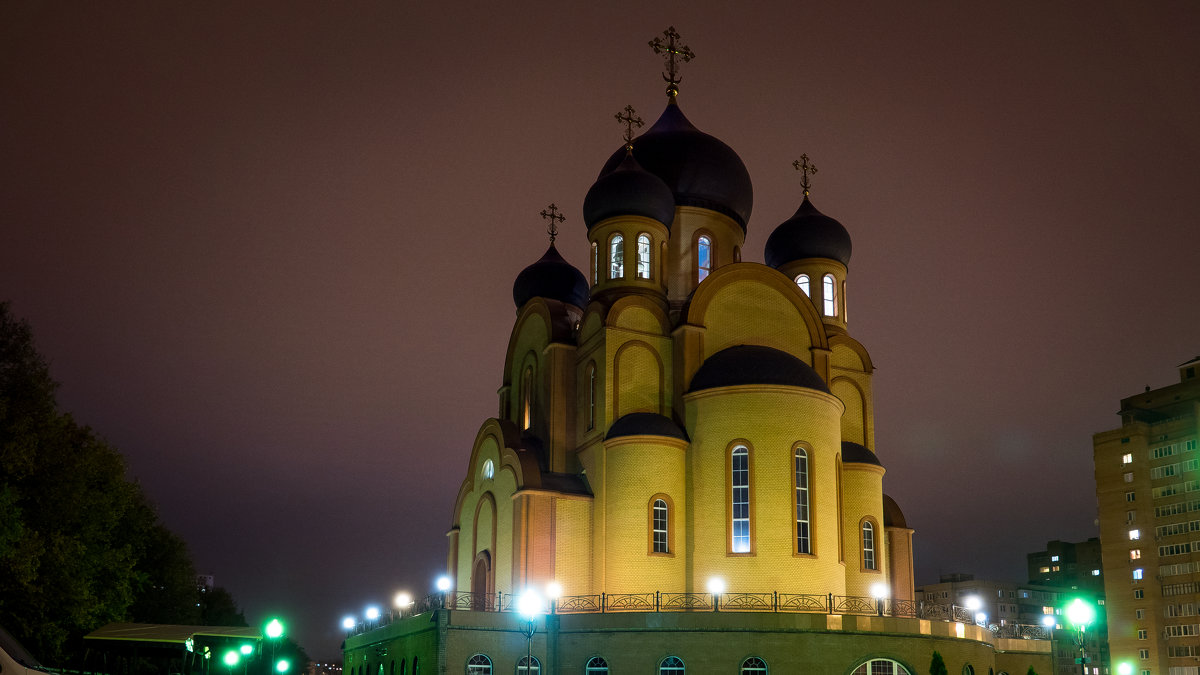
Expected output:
(747, 311)
(690, 223)
(854, 419)
(485, 521)
(816, 269)
(640, 378)
(862, 503)
(636, 470)
(770, 422)
(573, 545)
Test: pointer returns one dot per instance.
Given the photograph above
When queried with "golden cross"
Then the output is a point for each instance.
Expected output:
(630, 121)
(672, 50)
(805, 170)
(551, 214)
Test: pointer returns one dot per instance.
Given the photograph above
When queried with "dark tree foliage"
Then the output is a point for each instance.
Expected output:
(80, 545)
(937, 666)
(1031, 671)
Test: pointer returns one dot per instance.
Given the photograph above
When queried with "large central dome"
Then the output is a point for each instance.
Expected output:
(700, 169)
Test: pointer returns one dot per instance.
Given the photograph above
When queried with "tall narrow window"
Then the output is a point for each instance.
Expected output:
(591, 373)
(477, 665)
(659, 519)
(595, 263)
(643, 256)
(616, 256)
(527, 399)
(829, 291)
(802, 282)
(803, 539)
(704, 263)
(740, 498)
(868, 545)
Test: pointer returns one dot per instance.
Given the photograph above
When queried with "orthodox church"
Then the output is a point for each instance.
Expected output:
(684, 449)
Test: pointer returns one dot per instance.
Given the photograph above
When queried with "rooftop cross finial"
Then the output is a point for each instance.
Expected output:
(672, 50)
(630, 121)
(551, 214)
(805, 170)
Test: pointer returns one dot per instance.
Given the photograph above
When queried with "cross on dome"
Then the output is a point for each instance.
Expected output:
(630, 121)
(551, 214)
(672, 51)
(802, 165)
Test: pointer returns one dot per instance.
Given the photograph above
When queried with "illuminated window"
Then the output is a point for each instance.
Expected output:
(829, 295)
(478, 665)
(1137, 574)
(1134, 535)
(659, 518)
(803, 540)
(1044, 570)
(1053, 558)
(802, 282)
(868, 546)
(740, 498)
(704, 263)
(595, 263)
(754, 666)
(591, 375)
(616, 257)
(528, 664)
(643, 256)
(672, 665)
(1127, 458)
(596, 666)
(527, 399)
(968, 670)
(1054, 568)
(1135, 554)
(489, 469)
(880, 667)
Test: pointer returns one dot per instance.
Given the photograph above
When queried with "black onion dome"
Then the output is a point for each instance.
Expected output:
(645, 424)
(808, 234)
(853, 453)
(699, 169)
(892, 515)
(551, 277)
(629, 190)
(751, 364)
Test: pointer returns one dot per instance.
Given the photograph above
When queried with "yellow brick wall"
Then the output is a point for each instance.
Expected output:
(862, 497)
(750, 312)
(853, 427)
(573, 546)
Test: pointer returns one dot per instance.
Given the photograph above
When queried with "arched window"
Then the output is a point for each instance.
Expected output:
(417, 666)
(829, 294)
(476, 665)
(704, 263)
(596, 666)
(754, 666)
(968, 670)
(672, 665)
(802, 282)
(881, 667)
(739, 482)
(643, 256)
(591, 380)
(803, 521)
(527, 398)
(595, 263)
(616, 257)
(528, 665)
(402, 670)
(658, 521)
(392, 668)
(868, 545)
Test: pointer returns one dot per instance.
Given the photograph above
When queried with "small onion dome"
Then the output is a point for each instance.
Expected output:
(853, 453)
(808, 234)
(892, 515)
(551, 277)
(751, 364)
(645, 424)
(629, 190)
(699, 169)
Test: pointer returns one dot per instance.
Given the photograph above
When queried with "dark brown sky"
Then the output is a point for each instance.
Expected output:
(268, 248)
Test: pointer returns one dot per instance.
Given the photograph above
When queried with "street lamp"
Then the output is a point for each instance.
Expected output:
(553, 592)
(531, 606)
(1049, 622)
(372, 613)
(348, 623)
(716, 586)
(274, 631)
(282, 666)
(402, 601)
(879, 591)
(1080, 614)
(443, 585)
(1124, 668)
(230, 659)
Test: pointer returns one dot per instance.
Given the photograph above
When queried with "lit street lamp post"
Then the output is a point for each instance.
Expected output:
(1080, 614)
(531, 606)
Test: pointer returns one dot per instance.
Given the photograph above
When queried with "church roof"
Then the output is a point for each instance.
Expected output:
(892, 515)
(551, 277)
(699, 169)
(645, 424)
(808, 234)
(753, 364)
(858, 454)
(629, 190)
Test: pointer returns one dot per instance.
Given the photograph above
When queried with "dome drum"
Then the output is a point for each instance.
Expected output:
(634, 261)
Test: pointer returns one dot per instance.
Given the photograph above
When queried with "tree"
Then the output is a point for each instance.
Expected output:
(1031, 671)
(937, 666)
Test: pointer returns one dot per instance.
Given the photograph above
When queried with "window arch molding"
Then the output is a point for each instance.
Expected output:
(652, 513)
(868, 543)
(803, 539)
(525, 384)
(739, 497)
(705, 262)
(804, 284)
(596, 666)
(478, 664)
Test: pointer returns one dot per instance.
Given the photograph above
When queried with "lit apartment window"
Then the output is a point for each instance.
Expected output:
(1044, 570)
(1095, 573)
(1134, 535)
(1128, 477)
(1137, 574)
(1053, 558)
(1127, 458)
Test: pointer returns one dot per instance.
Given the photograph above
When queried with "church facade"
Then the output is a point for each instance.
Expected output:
(683, 459)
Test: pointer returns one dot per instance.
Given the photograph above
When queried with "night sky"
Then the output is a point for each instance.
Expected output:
(268, 248)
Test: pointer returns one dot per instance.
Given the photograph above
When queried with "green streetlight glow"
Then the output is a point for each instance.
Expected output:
(231, 658)
(282, 666)
(275, 629)
(247, 649)
(1125, 668)
(1080, 613)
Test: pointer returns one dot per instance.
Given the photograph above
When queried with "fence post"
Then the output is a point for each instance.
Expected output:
(829, 598)
(774, 601)
(603, 601)
(658, 601)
